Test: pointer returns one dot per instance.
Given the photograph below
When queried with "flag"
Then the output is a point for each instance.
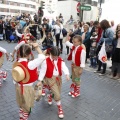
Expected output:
(102, 56)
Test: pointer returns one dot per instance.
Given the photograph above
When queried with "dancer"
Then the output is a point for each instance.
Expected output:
(77, 55)
(51, 71)
(24, 73)
(3, 74)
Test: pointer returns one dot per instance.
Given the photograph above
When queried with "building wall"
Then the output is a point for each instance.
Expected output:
(68, 8)
(12, 7)
(110, 11)
(90, 15)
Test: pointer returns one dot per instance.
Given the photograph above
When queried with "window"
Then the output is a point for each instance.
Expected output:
(31, 6)
(22, 5)
(15, 4)
(8, 3)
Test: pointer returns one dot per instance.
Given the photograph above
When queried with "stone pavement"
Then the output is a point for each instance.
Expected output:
(99, 100)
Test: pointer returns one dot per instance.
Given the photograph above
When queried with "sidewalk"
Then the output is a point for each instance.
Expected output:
(99, 100)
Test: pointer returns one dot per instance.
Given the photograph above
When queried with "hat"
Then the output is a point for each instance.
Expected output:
(1, 60)
(20, 73)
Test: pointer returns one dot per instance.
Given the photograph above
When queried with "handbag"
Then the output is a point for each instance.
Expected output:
(64, 32)
(61, 35)
(108, 48)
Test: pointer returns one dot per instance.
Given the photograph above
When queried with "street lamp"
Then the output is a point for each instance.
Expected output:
(100, 9)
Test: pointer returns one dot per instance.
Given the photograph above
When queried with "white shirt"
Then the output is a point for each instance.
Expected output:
(90, 28)
(3, 50)
(58, 29)
(19, 45)
(43, 69)
(82, 57)
(18, 34)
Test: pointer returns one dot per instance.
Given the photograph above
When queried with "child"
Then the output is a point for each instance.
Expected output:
(78, 56)
(3, 74)
(116, 56)
(24, 73)
(22, 42)
(52, 69)
(92, 54)
(48, 41)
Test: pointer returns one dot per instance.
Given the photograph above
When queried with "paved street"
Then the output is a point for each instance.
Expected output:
(99, 100)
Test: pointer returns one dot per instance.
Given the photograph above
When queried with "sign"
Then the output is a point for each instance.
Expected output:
(85, 8)
(78, 7)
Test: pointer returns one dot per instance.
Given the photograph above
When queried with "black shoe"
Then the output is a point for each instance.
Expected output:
(97, 71)
(110, 67)
(101, 74)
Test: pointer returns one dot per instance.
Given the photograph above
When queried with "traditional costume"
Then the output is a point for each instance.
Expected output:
(78, 56)
(51, 72)
(3, 74)
(25, 74)
(24, 40)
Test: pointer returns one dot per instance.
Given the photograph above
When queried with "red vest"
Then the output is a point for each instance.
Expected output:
(33, 73)
(1, 54)
(50, 67)
(77, 55)
(23, 38)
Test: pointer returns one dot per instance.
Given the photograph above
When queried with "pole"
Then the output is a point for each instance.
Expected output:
(100, 8)
(81, 11)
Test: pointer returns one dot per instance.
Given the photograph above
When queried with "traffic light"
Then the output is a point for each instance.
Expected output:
(42, 4)
(40, 12)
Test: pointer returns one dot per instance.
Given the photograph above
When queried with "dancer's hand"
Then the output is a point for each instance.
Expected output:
(12, 57)
(35, 45)
(39, 83)
(7, 56)
(67, 77)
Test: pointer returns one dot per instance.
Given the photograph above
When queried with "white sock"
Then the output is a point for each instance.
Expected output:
(58, 102)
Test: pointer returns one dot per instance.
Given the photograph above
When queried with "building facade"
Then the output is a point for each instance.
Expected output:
(12, 7)
(69, 7)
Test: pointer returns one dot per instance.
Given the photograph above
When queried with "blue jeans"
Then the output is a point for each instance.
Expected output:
(93, 61)
(46, 47)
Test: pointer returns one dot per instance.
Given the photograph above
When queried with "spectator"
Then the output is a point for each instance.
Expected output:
(50, 26)
(58, 34)
(35, 18)
(45, 25)
(92, 54)
(86, 39)
(107, 36)
(33, 29)
(1, 29)
(91, 25)
(8, 30)
(76, 29)
(48, 41)
(113, 26)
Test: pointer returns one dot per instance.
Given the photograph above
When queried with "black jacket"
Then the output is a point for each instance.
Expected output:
(47, 42)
